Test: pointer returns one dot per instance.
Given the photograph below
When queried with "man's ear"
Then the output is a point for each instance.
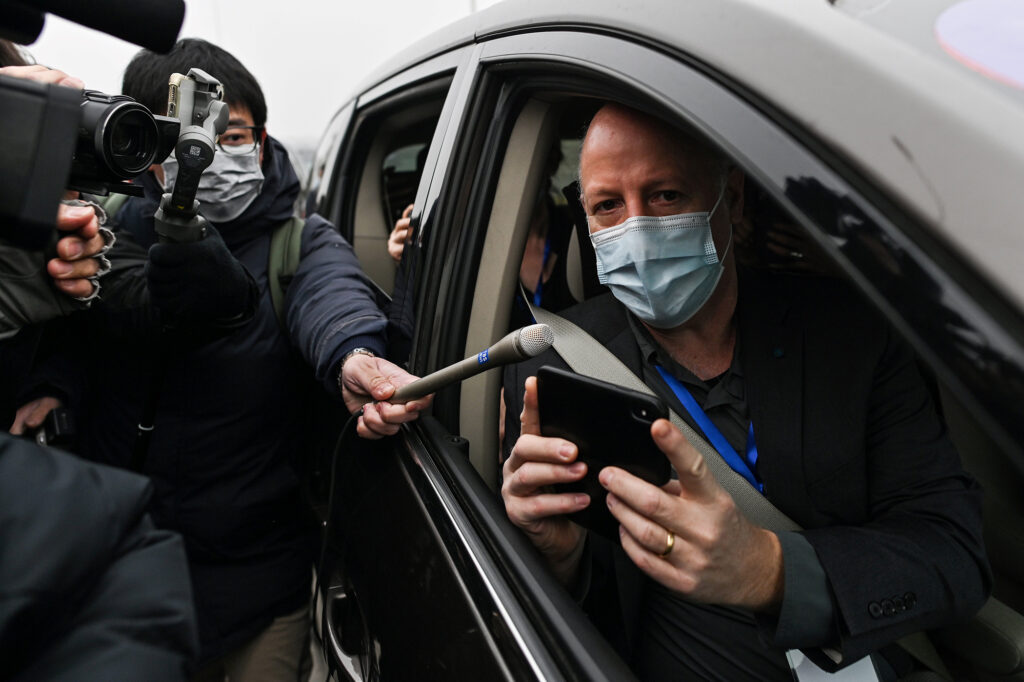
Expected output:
(734, 183)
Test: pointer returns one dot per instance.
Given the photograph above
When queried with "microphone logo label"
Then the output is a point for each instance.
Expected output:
(482, 357)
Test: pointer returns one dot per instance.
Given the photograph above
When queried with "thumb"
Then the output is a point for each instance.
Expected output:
(530, 418)
(695, 478)
(364, 375)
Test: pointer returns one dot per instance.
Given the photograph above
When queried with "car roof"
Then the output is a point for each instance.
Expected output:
(918, 123)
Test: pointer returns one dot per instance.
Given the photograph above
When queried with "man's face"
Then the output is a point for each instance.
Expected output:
(632, 165)
(240, 134)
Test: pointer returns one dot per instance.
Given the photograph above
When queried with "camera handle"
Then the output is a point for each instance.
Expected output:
(197, 101)
(178, 227)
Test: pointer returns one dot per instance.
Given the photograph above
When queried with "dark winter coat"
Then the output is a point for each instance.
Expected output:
(89, 589)
(231, 412)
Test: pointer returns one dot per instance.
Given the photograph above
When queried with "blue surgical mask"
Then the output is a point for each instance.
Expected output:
(664, 269)
(226, 188)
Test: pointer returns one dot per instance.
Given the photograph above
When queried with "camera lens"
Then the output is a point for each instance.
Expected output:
(124, 140)
(129, 140)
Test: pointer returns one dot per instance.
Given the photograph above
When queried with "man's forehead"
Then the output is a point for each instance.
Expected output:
(618, 130)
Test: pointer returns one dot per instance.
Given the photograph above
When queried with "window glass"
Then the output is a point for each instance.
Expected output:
(386, 158)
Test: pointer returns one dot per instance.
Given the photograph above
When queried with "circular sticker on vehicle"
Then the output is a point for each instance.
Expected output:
(986, 36)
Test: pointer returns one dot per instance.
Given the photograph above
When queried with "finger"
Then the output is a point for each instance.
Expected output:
(76, 288)
(370, 376)
(663, 569)
(372, 426)
(649, 534)
(71, 218)
(408, 211)
(530, 417)
(37, 413)
(79, 269)
(695, 478)
(42, 74)
(18, 426)
(400, 413)
(533, 476)
(524, 511)
(73, 248)
(533, 448)
(363, 431)
(641, 499)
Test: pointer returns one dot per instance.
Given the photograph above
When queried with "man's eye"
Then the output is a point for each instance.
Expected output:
(669, 195)
(232, 139)
(606, 205)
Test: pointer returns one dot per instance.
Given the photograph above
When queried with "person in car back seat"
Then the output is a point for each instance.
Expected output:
(542, 271)
(798, 374)
(230, 412)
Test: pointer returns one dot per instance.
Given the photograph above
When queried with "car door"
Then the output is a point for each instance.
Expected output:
(409, 586)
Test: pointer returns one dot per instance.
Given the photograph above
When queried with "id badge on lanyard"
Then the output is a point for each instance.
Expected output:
(805, 670)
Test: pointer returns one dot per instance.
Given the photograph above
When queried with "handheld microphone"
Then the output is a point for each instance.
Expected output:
(519, 345)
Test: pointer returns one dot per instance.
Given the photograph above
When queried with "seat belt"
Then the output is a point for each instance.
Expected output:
(586, 356)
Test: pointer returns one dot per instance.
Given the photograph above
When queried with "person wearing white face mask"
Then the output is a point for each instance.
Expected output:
(804, 393)
(230, 412)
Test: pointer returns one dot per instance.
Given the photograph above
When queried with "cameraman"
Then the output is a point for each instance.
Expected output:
(78, 261)
(230, 415)
(89, 588)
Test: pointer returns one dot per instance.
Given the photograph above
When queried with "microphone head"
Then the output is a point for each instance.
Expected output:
(535, 339)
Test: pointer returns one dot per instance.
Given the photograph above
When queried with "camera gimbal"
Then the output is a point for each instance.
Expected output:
(196, 100)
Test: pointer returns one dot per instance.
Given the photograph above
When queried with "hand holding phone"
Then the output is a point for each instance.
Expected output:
(610, 425)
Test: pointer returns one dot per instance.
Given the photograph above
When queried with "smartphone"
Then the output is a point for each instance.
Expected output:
(610, 425)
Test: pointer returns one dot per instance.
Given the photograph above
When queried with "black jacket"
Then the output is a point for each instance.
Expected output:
(231, 412)
(850, 447)
(89, 589)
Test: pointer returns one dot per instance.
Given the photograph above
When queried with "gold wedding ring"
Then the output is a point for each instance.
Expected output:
(669, 544)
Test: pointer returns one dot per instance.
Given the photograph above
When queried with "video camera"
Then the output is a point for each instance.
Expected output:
(55, 138)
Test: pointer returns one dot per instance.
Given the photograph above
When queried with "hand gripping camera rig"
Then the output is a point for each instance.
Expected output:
(196, 100)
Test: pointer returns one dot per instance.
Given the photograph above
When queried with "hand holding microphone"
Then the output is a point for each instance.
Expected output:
(519, 345)
(389, 396)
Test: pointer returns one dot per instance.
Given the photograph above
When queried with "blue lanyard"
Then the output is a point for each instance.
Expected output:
(537, 291)
(744, 466)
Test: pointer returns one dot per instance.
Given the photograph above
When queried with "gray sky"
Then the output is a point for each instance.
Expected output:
(308, 55)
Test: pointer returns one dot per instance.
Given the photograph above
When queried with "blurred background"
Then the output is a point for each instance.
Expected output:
(308, 55)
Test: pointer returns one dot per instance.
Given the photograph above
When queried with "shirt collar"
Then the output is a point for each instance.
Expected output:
(725, 389)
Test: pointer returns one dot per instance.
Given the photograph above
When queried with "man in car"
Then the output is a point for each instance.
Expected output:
(230, 410)
(824, 404)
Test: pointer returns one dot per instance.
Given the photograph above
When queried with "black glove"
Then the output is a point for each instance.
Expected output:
(200, 282)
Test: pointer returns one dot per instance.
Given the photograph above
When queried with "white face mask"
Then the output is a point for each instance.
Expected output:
(664, 269)
(226, 188)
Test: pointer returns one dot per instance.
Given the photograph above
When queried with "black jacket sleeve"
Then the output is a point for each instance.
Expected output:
(89, 589)
(330, 305)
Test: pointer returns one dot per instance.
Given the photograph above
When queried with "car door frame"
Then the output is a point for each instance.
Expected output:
(458, 508)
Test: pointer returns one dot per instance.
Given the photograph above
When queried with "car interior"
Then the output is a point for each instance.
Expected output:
(393, 163)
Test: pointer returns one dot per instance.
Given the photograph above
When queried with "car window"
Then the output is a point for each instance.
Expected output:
(385, 155)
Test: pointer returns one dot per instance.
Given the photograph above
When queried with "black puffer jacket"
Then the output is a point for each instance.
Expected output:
(230, 412)
(89, 589)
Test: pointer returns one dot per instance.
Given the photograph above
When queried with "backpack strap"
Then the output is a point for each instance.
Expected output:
(283, 261)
